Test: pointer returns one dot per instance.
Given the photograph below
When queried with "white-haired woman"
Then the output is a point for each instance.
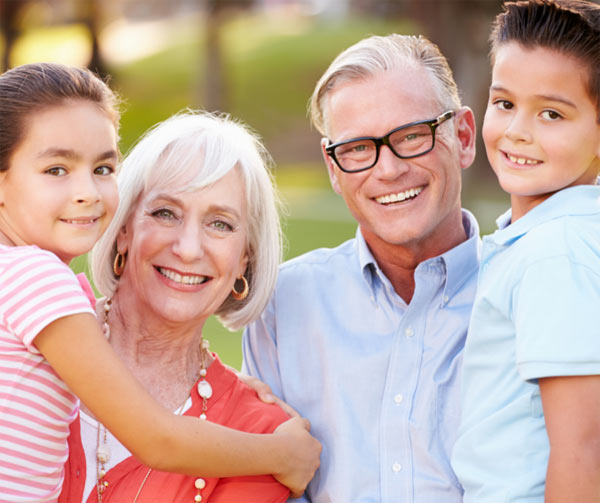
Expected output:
(196, 233)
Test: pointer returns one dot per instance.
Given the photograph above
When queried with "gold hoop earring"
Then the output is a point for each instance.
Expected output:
(119, 264)
(244, 293)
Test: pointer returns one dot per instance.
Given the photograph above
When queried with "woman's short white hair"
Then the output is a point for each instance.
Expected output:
(377, 54)
(201, 148)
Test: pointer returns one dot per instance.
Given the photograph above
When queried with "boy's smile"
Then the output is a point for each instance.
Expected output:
(541, 127)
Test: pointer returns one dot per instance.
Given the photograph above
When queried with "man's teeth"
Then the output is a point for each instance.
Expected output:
(521, 160)
(182, 278)
(400, 196)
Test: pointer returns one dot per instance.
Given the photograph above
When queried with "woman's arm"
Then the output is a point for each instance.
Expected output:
(572, 415)
(84, 360)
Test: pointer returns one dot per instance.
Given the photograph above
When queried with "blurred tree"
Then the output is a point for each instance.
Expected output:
(215, 85)
(92, 17)
(9, 16)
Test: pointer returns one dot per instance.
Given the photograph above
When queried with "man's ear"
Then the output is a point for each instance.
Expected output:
(466, 134)
(332, 169)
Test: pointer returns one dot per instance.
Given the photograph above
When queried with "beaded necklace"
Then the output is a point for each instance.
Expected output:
(103, 451)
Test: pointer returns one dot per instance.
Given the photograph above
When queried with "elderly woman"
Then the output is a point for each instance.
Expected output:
(196, 234)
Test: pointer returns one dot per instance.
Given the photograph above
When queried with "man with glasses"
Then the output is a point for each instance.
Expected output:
(366, 339)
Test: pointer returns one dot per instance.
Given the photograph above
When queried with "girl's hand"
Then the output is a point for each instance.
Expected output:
(300, 455)
(264, 393)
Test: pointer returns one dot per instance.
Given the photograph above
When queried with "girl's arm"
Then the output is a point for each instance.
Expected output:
(81, 356)
(572, 413)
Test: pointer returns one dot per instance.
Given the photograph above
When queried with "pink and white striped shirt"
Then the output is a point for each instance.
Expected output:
(36, 407)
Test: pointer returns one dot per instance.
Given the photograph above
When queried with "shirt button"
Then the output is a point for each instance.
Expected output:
(446, 299)
(398, 398)
(409, 332)
(396, 467)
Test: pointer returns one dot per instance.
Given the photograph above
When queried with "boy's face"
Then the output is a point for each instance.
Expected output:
(541, 128)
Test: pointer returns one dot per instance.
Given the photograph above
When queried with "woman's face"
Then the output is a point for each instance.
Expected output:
(185, 250)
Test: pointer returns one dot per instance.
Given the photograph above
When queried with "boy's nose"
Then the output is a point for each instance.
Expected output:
(519, 130)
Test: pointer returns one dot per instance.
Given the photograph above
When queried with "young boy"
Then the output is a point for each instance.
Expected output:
(531, 375)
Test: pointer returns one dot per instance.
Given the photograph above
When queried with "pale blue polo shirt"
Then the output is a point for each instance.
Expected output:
(535, 315)
(377, 377)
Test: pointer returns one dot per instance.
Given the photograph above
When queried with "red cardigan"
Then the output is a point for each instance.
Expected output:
(233, 404)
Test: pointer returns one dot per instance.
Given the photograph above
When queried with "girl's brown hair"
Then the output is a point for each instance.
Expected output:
(27, 89)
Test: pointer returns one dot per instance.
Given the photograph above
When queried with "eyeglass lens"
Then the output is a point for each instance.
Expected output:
(406, 142)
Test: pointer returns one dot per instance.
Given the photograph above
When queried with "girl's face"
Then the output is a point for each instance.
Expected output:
(60, 190)
(541, 128)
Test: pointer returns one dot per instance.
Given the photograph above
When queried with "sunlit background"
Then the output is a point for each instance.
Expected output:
(259, 61)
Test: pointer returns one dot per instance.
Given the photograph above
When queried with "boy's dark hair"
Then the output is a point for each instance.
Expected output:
(28, 89)
(569, 26)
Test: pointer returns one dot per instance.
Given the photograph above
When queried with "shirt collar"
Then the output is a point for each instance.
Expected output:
(463, 260)
(579, 200)
(459, 262)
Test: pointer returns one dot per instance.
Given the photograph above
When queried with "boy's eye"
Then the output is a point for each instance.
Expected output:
(503, 104)
(104, 170)
(551, 115)
(56, 171)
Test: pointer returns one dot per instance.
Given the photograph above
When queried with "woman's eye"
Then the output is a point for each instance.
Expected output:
(220, 225)
(104, 170)
(163, 213)
(56, 171)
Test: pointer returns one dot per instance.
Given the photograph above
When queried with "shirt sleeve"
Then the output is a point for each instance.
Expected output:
(36, 290)
(556, 310)
(259, 350)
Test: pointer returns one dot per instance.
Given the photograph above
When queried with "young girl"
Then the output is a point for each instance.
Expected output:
(58, 155)
(531, 375)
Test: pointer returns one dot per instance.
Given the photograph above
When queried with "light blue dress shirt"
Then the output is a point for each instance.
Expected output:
(535, 315)
(377, 378)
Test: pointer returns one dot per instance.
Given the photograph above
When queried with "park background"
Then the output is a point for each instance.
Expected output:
(257, 60)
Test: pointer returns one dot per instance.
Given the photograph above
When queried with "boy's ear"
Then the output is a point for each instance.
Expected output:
(331, 167)
(466, 134)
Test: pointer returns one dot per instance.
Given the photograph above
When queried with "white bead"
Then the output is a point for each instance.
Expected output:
(203, 372)
(205, 389)
(197, 497)
(103, 454)
(200, 484)
(203, 416)
(102, 473)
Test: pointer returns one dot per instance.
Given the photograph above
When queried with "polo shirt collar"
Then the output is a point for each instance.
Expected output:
(572, 201)
(463, 260)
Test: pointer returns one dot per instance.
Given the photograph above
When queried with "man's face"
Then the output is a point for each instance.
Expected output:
(428, 217)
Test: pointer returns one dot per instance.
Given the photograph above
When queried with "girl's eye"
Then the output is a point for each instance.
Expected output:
(551, 115)
(220, 225)
(164, 213)
(104, 170)
(56, 171)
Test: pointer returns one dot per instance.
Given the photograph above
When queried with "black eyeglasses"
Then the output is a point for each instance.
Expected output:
(406, 142)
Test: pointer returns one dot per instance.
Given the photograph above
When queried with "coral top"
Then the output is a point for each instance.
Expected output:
(234, 405)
